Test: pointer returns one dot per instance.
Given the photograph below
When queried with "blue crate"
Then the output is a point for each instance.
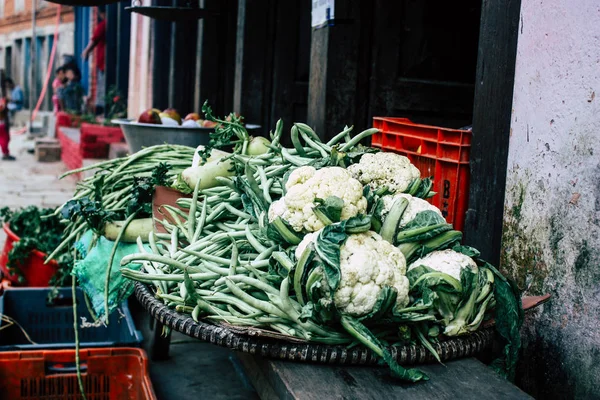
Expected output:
(51, 325)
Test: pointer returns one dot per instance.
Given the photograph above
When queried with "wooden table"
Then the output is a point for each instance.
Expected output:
(461, 379)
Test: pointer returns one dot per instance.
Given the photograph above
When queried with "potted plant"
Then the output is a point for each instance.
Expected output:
(32, 233)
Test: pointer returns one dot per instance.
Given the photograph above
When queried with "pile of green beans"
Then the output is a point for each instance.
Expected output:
(214, 260)
(116, 178)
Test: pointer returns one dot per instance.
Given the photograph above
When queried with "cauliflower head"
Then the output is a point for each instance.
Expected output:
(368, 264)
(305, 185)
(385, 169)
(415, 206)
(447, 261)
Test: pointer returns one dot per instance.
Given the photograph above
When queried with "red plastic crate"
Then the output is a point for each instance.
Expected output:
(439, 152)
(108, 373)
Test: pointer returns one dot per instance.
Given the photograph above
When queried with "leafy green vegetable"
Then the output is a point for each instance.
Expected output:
(91, 211)
(226, 129)
(425, 225)
(364, 335)
(38, 229)
(329, 209)
(509, 318)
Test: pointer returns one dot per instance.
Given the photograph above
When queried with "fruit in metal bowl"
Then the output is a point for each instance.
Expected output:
(173, 114)
(150, 116)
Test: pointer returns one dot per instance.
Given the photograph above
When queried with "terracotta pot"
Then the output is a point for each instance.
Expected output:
(165, 196)
(36, 273)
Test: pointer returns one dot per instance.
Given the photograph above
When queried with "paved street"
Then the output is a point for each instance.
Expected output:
(26, 182)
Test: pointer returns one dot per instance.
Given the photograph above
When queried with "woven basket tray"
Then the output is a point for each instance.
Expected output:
(273, 345)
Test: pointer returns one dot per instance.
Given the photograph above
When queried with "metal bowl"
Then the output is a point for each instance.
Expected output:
(140, 135)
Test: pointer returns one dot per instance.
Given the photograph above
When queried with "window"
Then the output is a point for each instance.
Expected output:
(19, 6)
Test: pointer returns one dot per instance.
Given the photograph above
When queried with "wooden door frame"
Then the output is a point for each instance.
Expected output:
(494, 84)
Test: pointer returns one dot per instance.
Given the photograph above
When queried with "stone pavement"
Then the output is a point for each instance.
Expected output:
(26, 182)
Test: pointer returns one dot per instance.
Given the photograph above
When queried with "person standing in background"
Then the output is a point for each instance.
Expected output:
(4, 130)
(59, 82)
(16, 97)
(71, 95)
(98, 42)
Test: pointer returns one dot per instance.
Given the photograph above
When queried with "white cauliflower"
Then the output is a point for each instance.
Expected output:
(447, 261)
(368, 264)
(415, 206)
(305, 185)
(385, 169)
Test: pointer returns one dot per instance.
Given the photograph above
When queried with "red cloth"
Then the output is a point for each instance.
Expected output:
(99, 37)
(4, 138)
(4, 133)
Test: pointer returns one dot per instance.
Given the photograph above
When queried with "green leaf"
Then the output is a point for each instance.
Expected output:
(467, 251)
(301, 273)
(386, 301)
(279, 231)
(509, 319)
(181, 185)
(424, 188)
(361, 333)
(330, 207)
(392, 220)
(307, 312)
(328, 245)
(425, 225)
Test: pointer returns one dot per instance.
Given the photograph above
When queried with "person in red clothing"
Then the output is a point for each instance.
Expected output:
(98, 42)
(4, 130)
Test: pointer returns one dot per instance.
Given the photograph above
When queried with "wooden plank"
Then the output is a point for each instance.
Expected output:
(491, 125)
(461, 379)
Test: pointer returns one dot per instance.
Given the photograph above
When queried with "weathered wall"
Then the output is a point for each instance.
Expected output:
(551, 232)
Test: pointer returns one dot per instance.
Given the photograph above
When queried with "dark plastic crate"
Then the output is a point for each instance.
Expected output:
(50, 326)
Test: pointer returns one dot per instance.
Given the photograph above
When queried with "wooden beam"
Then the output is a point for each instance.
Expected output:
(334, 70)
(494, 83)
(216, 57)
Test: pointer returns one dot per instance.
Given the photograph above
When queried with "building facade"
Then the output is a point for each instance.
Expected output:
(16, 42)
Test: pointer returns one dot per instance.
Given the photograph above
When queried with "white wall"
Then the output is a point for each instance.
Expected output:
(551, 238)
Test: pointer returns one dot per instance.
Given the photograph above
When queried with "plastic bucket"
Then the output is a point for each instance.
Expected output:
(36, 273)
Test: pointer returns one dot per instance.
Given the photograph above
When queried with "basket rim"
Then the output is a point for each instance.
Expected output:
(457, 347)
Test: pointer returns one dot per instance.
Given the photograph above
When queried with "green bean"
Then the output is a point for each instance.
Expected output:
(296, 141)
(64, 243)
(170, 297)
(343, 134)
(356, 139)
(234, 320)
(197, 276)
(215, 213)
(196, 313)
(253, 241)
(238, 213)
(174, 242)
(260, 304)
(156, 258)
(234, 260)
(295, 160)
(184, 309)
(232, 300)
(192, 212)
(201, 222)
(248, 281)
